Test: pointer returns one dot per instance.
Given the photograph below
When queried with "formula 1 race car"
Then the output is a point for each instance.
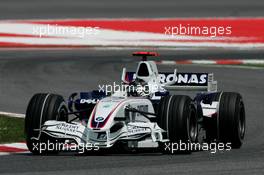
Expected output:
(142, 113)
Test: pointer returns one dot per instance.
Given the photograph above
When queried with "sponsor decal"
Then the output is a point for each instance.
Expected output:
(135, 129)
(181, 79)
(89, 101)
(184, 78)
(67, 127)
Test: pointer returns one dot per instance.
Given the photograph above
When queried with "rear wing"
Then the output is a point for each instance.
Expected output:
(182, 81)
(197, 82)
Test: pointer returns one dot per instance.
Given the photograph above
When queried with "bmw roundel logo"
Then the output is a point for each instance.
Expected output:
(99, 119)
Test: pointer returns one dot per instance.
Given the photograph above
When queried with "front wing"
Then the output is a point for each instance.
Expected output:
(132, 131)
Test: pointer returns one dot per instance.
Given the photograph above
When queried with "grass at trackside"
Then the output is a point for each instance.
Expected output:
(11, 129)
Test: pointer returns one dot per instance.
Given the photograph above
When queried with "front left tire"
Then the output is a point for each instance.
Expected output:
(41, 108)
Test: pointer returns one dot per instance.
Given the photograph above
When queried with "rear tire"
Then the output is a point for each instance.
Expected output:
(41, 108)
(231, 118)
(177, 115)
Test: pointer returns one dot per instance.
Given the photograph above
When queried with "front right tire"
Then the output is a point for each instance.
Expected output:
(177, 115)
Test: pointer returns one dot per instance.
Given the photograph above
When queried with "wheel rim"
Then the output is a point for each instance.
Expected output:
(62, 114)
(192, 126)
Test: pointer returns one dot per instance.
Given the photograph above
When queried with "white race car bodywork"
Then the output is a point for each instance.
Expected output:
(107, 113)
(110, 121)
(142, 113)
(210, 109)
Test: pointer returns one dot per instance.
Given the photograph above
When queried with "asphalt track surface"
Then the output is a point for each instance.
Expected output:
(25, 73)
(35, 9)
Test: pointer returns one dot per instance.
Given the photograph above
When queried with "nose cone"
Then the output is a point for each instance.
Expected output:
(103, 111)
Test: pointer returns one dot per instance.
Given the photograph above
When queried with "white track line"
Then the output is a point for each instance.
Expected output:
(214, 62)
(254, 61)
(9, 114)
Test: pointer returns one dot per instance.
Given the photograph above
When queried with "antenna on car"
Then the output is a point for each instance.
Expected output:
(145, 54)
